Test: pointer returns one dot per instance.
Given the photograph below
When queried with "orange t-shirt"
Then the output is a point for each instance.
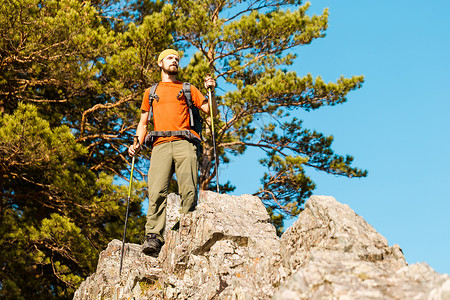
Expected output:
(169, 112)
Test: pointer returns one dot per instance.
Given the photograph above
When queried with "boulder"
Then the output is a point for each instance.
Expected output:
(138, 272)
(227, 249)
(331, 252)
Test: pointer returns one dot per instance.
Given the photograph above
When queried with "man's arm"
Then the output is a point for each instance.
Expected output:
(205, 105)
(141, 132)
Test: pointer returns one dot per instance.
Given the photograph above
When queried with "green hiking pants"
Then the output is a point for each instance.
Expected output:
(179, 157)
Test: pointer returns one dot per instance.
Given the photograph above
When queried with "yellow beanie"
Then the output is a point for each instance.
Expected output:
(167, 52)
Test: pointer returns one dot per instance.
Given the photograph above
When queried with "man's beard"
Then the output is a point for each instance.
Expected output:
(172, 72)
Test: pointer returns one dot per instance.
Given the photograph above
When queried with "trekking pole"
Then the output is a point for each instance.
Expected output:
(136, 141)
(213, 138)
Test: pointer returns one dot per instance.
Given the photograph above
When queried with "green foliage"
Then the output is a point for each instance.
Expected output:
(55, 214)
(247, 45)
(72, 76)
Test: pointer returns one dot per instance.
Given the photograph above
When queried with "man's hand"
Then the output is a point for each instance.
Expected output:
(135, 148)
(210, 82)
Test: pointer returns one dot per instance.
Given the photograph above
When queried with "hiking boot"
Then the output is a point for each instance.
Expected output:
(152, 245)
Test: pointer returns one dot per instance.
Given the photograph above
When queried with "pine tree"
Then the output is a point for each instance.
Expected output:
(72, 76)
(58, 207)
(249, 46)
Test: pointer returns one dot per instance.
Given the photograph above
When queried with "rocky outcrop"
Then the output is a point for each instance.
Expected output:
(332, 253)
(227, 249)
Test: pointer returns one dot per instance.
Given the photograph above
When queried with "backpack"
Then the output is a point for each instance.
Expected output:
(195, 120)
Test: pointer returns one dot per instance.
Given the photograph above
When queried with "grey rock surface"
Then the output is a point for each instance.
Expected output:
(138, 270)
(332, 253)
(227, 249)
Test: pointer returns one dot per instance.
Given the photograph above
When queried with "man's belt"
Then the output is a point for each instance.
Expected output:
(151, 136)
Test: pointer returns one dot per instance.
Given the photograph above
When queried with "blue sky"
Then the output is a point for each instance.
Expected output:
(396, 126)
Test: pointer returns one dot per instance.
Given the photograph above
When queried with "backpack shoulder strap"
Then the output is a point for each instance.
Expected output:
(152, 96)
(187, 93)
(188, 96)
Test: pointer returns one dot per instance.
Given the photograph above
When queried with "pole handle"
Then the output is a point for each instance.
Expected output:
(136, 145)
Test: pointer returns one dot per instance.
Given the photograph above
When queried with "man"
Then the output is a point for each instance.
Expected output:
(170, 153)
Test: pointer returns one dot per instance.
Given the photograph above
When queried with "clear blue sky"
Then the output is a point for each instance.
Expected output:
(396, 126)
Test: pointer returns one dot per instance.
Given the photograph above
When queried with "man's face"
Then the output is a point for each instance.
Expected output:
(170, 64)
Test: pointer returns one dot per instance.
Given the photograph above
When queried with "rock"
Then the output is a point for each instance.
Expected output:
(106, 282)
(227, 249)
(329, 227)
(332, 252)
(173, 212)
